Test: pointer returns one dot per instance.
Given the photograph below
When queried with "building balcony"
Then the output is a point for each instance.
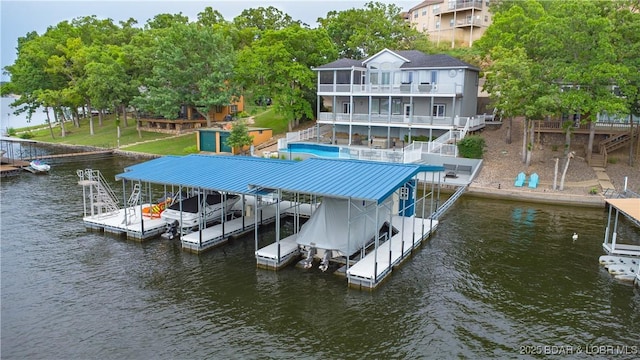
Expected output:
(469, 22)
(395, 89)
(395, 120)
(461, 5)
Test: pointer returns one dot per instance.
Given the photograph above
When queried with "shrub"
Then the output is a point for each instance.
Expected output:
(11, 131)
(554, 147)
(612, 160)
(26, 135)
(471, 147)
(593, 191)
(191, 149)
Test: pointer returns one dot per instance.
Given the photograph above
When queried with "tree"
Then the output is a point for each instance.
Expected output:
(361, 32)
(278, 66)
(567, 45)
(192, 66)
(239, 137)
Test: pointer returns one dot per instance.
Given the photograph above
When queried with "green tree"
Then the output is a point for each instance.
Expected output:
(279, 66)
(193, 66)
(361, 32)
(239, 137)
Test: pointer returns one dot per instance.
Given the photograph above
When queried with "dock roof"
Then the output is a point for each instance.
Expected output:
(362, 180)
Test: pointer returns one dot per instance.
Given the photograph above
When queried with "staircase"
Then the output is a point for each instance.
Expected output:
(611, 144)
(103, 200)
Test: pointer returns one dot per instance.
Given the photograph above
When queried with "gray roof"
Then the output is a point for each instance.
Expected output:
(417, 59)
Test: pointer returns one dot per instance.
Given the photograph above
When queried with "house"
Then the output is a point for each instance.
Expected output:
(459, 22)
(396, 96)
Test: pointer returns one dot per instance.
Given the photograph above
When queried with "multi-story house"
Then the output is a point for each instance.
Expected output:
(397, 95)
(458, 22)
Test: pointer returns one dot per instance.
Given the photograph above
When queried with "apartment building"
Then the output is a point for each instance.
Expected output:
(455, 22)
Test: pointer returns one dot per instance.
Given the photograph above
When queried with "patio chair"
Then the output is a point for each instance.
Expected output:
(520, 180)
(533, 181)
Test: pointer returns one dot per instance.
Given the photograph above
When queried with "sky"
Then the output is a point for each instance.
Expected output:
(19, 17)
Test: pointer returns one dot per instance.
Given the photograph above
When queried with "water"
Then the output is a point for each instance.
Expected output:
(10, 120)
(303, 150)
(496, 277)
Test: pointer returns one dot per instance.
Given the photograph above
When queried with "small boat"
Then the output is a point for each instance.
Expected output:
(209, 210)
(39, 167)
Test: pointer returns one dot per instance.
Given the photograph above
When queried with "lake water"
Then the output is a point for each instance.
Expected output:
(497, 280)
(10, 120)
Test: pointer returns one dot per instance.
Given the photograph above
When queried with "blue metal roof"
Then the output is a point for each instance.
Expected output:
(222, 173)
(363, 180)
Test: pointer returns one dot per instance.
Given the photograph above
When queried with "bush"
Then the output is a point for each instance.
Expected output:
(593, 191)
(26, 135)
(11, 131)
(471, 147)
(612, 160)
(191, 149)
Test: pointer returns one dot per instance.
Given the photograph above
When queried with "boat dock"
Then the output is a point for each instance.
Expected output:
(218, 234)
(364, 218)
(126, 222)
(376, 266)
(622, 259)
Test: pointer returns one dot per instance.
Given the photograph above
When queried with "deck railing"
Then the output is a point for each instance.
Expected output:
(393, 89)
(424, 120)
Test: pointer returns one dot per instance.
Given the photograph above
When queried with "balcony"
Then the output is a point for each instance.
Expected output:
(423, 121)
(461, 5)
(395, 89)
(468, 22)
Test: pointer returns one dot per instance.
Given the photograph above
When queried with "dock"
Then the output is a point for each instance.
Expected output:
(218, 234)
(376, 266)
(138, 228)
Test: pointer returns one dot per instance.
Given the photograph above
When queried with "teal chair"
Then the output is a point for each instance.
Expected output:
(520, 180)
(533, 181)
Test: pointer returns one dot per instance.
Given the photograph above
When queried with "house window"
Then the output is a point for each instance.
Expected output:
(218, 109)
(234, 109)
(346, 108)
(386, 78)
(434, 77)
(438, 110)
(438, 24)
(415, 15)
(436, 9)
(424, 11)
(384, 106)
(407, 77)
(396, 106)
(451, 23)
(374, 78)
(375, 106)
(486, 18)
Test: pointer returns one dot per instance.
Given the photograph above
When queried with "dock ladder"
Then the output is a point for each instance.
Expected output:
(130, 212)
(102, 199)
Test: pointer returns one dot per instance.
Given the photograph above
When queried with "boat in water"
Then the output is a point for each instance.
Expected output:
(192, 211)
(39, 166)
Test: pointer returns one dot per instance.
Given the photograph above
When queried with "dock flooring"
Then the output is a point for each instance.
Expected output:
(137, 227)
(370, 271)
(219, 234)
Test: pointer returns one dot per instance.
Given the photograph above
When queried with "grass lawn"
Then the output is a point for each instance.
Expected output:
(106, 136)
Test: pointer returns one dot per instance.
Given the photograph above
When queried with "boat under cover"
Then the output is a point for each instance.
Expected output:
(188, 212)
(334, 229)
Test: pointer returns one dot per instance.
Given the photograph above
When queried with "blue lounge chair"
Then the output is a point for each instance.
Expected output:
(533, 181)
(520, 180)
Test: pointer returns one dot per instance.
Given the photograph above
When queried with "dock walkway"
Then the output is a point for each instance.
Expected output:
(369, 272)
